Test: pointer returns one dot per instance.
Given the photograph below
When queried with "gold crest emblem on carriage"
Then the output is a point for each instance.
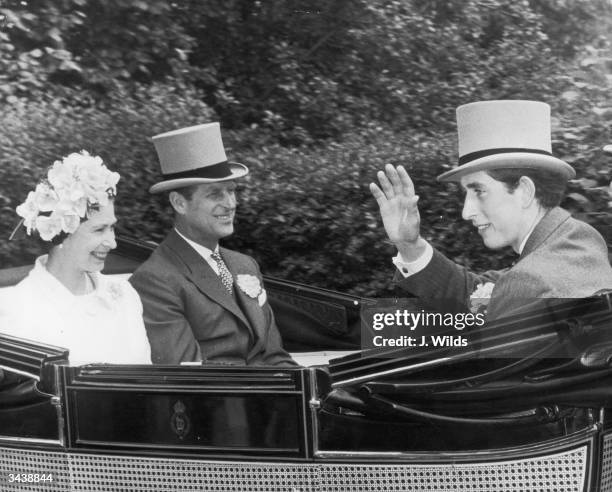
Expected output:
(179, 421)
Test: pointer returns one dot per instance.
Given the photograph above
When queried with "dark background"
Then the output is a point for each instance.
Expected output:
(314, 96)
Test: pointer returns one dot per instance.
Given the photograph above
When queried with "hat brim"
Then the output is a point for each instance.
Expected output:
(238, 171)
(511, 160)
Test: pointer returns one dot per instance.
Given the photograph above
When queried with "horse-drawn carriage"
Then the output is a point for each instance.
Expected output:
(477, 418)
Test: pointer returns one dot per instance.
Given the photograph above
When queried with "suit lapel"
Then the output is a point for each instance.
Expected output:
(199, 272)
(547, 225)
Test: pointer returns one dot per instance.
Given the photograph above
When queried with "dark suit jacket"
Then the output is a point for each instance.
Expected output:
(190, 316)
(563, 258)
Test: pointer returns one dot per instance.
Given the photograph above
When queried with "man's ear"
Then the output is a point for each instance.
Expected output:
(178, 202)
(527, 188)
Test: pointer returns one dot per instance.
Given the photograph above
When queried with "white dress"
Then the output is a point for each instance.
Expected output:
(103, 326)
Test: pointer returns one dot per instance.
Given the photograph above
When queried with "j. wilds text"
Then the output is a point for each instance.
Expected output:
(423, 341)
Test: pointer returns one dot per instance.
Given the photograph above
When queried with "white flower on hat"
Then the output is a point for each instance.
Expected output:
(48, 226)
(70, 221)
(45, 197)
(29, 211)
(74, 185)
(60, 176)
(249, 284)
(94, 178)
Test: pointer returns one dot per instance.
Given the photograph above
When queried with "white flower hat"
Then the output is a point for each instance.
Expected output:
(73, 187)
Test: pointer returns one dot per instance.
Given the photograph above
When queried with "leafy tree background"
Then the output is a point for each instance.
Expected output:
(314, 96)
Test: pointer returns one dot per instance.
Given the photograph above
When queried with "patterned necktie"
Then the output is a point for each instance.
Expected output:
(224, 273)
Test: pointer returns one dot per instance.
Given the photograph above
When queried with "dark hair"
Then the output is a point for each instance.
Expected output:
(549, 185)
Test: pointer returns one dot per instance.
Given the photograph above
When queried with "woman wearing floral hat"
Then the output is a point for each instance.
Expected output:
(65, 300)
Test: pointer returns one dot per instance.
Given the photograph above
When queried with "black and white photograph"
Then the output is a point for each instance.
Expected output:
(306, 245)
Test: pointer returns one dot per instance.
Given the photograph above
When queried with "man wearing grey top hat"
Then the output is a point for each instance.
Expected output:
(203, 302)
(513, 186)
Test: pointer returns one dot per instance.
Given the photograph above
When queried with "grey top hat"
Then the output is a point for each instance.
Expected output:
(506, 134)
(193, 155)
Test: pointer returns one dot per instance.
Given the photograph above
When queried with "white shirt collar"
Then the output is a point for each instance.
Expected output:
(203, 251)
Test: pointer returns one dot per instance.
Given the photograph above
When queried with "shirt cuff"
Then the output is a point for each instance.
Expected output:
(408, 268)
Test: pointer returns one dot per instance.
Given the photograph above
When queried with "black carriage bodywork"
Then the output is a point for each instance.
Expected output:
(351, 425)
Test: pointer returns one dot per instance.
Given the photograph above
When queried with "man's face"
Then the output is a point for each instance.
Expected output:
(498, 214)
(90, 244)
(209, 214)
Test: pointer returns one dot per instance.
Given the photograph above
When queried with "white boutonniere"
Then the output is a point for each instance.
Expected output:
(479, 299)
(261, 298)
(251, 286)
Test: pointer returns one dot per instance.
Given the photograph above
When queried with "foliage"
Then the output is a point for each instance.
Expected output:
(307, 69)
(314, 96)
(88, 44)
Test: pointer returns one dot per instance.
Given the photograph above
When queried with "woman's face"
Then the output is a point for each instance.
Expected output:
(89, 245)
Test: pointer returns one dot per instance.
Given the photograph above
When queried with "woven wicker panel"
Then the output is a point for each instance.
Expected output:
(562, 472)
(112, 473)
(27, 464)
(606, 465)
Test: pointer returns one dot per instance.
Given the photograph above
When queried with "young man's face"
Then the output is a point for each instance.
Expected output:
(209, 213)
(498, 214)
